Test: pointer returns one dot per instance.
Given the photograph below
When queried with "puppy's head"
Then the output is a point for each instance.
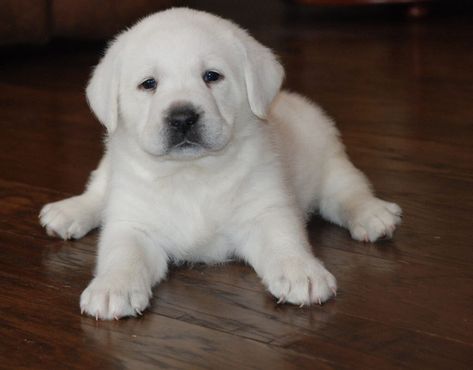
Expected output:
(180, 82)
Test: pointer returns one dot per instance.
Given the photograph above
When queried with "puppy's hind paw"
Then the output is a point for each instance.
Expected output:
(373, 220)
(70, 218)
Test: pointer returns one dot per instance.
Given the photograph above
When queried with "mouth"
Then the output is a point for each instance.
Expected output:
(186, 144)
(186, 150)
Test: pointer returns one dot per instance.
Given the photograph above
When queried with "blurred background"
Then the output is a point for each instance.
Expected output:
(394, 67)
(40, 21)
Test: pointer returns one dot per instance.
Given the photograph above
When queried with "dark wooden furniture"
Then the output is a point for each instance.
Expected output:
(359, 2)
(38, 21)
(415, 8)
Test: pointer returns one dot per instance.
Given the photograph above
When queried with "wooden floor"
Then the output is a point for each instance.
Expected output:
(402, 94)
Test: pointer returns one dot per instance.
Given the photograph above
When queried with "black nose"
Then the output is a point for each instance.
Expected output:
(182, 118)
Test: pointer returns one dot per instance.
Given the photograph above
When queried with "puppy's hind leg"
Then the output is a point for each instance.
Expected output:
(347, 199)
(74, 217)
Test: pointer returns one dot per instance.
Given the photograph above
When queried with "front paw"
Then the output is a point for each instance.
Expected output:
(300, 281)
(374, 219)
(115, 296)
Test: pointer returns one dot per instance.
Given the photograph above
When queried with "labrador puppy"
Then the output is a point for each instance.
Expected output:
(207, 160)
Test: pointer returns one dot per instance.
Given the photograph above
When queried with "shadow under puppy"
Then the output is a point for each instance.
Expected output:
(206, 159)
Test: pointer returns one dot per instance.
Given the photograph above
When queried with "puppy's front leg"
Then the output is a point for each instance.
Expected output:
(128, 265)
(278, 249)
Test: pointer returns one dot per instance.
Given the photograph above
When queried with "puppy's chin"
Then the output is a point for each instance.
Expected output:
(182, 152)
(187, 151)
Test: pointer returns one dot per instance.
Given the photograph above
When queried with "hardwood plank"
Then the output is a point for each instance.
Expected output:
(400, 298)
(47, 147)
(49, 325)
(211, 297)
(192, 294)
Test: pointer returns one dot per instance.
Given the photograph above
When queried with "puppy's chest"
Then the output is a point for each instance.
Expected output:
(188, 211)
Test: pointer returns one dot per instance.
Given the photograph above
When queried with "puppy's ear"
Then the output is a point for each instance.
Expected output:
(102, 90)
(263, 75)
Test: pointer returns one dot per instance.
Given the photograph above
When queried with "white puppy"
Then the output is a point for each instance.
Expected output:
(207, 160)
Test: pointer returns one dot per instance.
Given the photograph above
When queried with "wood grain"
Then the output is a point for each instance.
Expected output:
(401, 95)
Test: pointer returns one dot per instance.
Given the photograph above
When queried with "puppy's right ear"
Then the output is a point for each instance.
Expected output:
(102, 90)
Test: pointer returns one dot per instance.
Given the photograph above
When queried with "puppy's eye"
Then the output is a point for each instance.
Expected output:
(149, 84)
(211, 76)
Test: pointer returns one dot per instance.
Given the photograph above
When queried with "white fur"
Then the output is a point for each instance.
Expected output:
(245, 193)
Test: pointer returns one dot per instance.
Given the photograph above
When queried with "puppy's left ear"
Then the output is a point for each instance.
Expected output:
(263, 75)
